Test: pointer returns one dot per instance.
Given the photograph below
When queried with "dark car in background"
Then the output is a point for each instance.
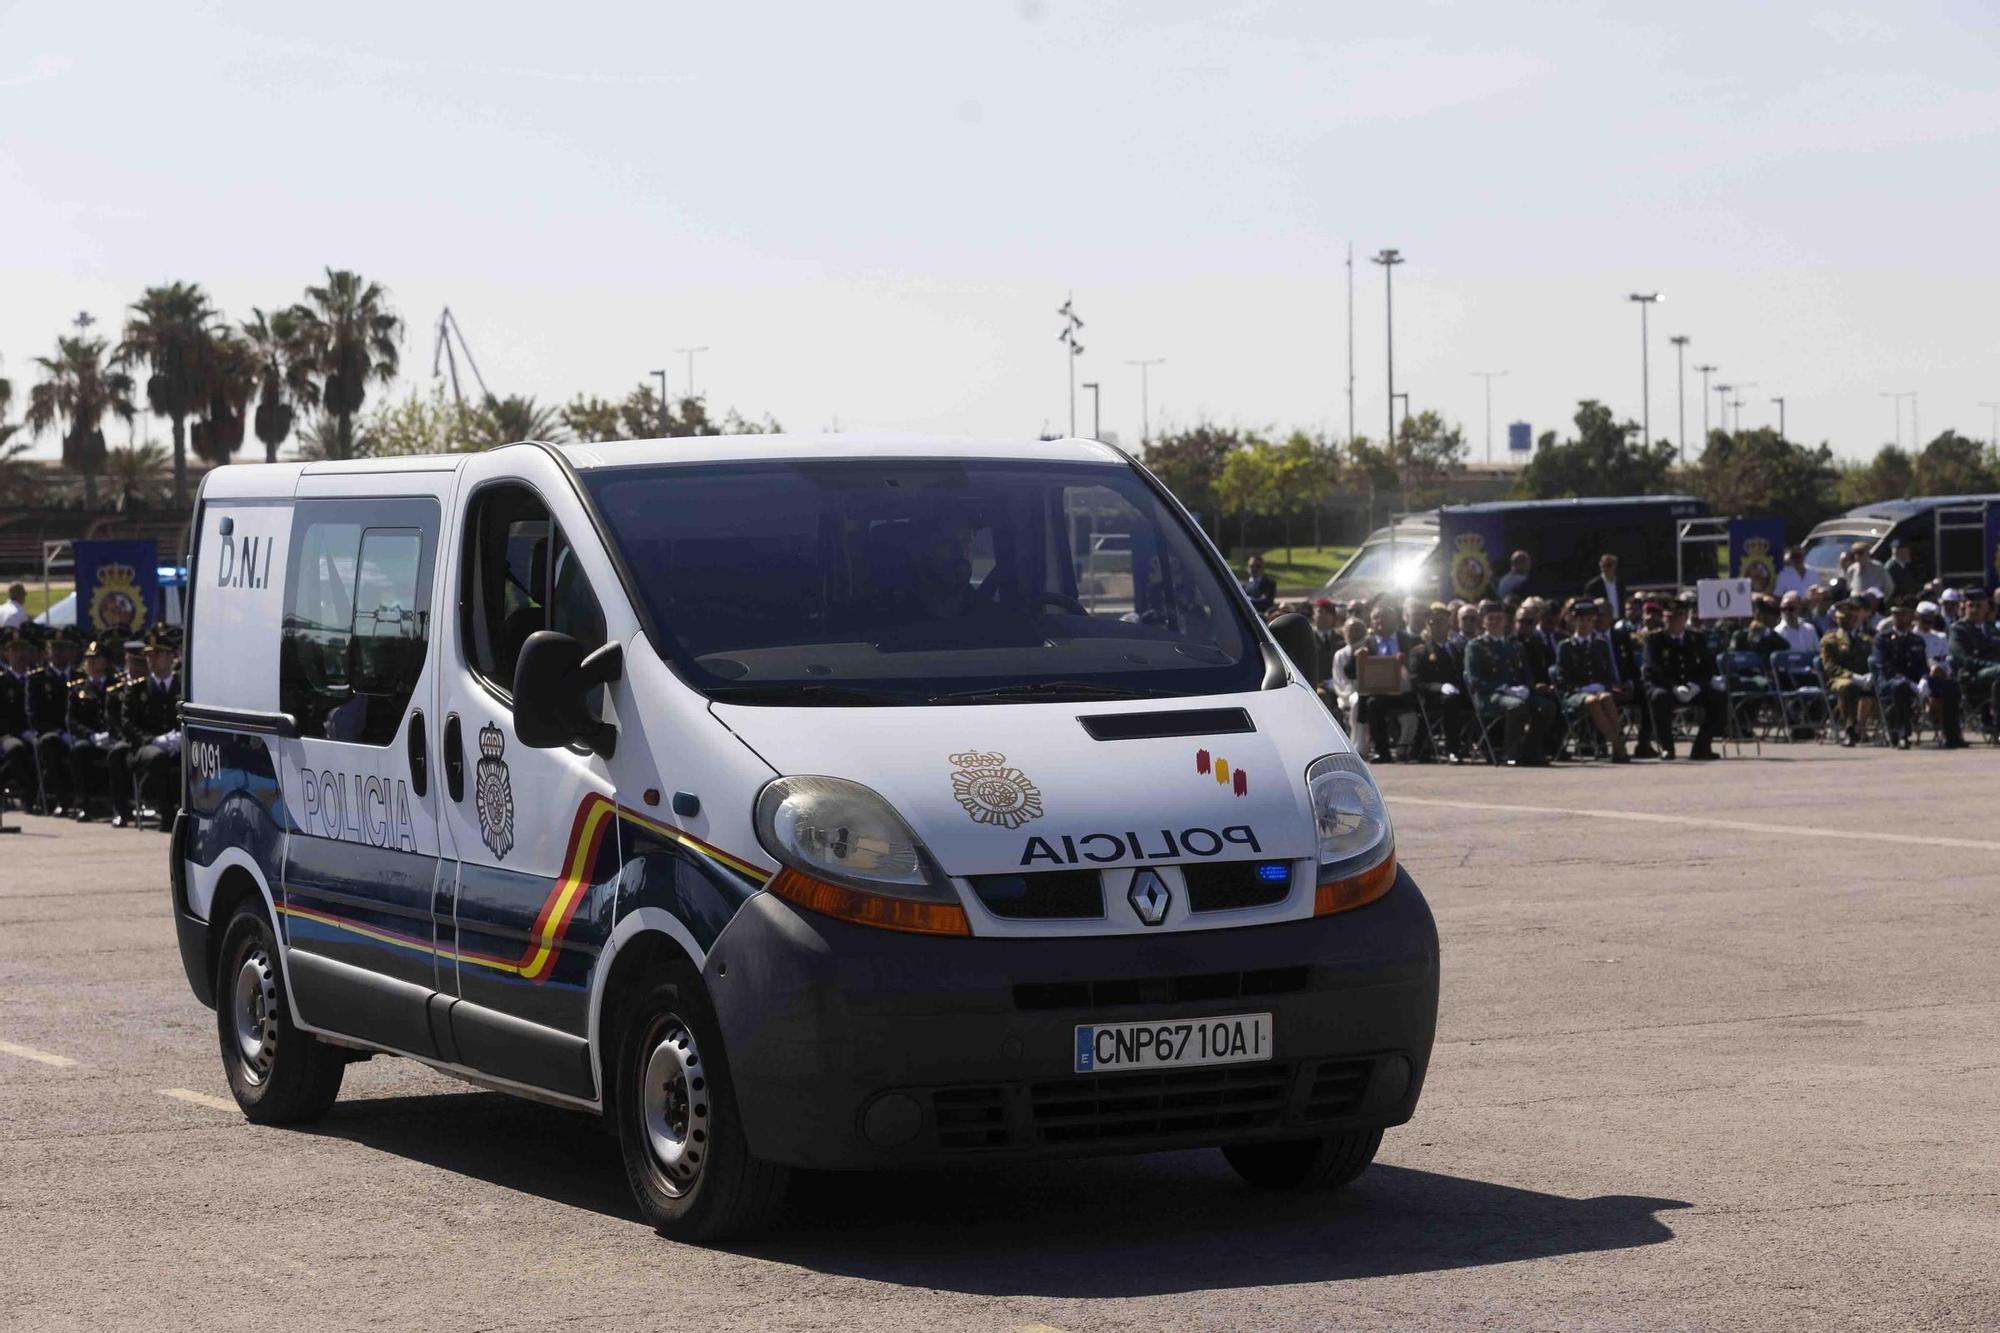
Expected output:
(1945, 533)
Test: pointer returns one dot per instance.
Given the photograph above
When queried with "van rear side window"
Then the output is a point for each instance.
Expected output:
(357, 616)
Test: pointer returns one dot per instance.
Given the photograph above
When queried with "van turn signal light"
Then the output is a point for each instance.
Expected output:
(869, 909)
(1343, 895)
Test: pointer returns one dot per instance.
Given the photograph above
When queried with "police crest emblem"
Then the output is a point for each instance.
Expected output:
(992, 792)
(1757, 564)
(493, 793)
(116, 605)
(1471, 567)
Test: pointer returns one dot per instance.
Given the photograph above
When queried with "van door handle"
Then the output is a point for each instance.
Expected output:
(420, 759)
(454, 759)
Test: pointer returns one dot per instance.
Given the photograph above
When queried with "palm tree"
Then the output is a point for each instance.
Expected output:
(16, 477)
(220, 433)
(79, 386)
(349, 336)
(285, 376)
(173, 330)
(132, 472)
(514, 417)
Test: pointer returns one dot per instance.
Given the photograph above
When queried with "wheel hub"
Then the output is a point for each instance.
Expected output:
(674, 1101)
(255, 1012)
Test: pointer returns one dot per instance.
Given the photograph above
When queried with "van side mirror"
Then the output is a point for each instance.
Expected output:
(1294, 634)
(553, 680)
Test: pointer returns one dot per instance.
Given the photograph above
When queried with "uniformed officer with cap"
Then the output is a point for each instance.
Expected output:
(1680, 673)
(1496, 675)
(149, 720)
(1587, 669)
(1901, 665)
(17, 757)
(1974, 653)
(90, 725)
(118, 754)
(48, 709)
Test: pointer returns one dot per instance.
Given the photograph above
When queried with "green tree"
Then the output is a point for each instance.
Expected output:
(172, 329)
(1425, 453)
(349, 336)
(1249, 485)
(18, 478)
(132, 475)
(506, 420)
(1190, 462)
(219, 434)
(284, 376)
(1890, 475)
(1307, 469)
(80, 387)
(1759, 472)
(433, 423)
(638, 416)
(1604, 458)
(1952, 464)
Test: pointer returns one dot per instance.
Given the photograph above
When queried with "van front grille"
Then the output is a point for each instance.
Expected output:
(1127, 1108)
(1221, 885)
(1045, 895)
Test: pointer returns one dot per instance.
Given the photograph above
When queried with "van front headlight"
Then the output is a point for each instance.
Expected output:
(1357, 844)
(846, 853)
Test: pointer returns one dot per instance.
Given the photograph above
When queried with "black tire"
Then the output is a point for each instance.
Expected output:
(714, 1187)
(295, 1077)
(1326, 1163)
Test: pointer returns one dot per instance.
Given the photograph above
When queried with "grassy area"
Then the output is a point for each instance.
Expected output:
(37, 603)
(1309, 566)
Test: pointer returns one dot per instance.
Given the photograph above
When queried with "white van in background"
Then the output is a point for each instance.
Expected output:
(786, 800)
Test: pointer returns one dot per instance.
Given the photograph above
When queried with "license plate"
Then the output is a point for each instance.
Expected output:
(1172, 1043)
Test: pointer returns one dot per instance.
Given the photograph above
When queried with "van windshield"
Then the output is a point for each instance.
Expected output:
(892, 581)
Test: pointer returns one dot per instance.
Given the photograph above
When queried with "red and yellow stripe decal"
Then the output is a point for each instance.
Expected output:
(594, 817)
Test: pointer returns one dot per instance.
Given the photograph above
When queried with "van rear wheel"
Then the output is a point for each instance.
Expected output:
(690, 1169)
(1304, 1163)
(278, 1074)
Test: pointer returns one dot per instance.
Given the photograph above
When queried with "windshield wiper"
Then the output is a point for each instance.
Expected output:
(1046, 689)
(811, 693)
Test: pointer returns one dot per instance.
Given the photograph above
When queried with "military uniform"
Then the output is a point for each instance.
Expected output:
(1975, 659)
(1496, 676)
(17, 755)
(89, 721)
(48, 709)
(1628, 645)
(1899, 662)
(1434, 665)
(118, 751)
(149, 724)
(1843, 659)
(1674, 661)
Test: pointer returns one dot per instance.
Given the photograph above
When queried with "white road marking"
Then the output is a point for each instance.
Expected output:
(30, 1053)
(1698, 821)
(202, 1099)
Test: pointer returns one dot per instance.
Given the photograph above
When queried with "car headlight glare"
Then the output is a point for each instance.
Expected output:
(1357, 844)
(841, 832)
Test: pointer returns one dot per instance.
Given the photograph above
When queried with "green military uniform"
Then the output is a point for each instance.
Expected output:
(1496, 675)
(1843, 656)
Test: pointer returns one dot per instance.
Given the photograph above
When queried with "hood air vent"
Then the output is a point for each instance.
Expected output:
(1149, 726)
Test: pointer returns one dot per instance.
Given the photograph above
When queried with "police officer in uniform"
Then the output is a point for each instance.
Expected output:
(118, 754)
(150, 718)
(1587, 673)
(1680, 672)
(1843, 659)
(48, 709)
(1496, 675)
(1437, 675)
(17, 756)
(1900, 664)
(90, 725)
(1975, 653)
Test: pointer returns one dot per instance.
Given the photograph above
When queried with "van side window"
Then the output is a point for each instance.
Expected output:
(521, 575)
(357, 616)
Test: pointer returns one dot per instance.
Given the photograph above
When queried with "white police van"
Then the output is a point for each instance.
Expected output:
(793, 802)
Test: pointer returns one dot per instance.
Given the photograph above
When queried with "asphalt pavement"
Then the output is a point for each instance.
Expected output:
(1720, 1048)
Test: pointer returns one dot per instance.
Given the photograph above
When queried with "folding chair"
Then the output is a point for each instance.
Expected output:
(1748, 684)
(1801, 696)
(1918, 716)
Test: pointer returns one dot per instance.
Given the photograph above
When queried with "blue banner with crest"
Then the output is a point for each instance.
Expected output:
(1756, 545)
(117, 589)
(1471, 554)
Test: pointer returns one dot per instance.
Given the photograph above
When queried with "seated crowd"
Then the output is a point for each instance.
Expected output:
(1529, 680)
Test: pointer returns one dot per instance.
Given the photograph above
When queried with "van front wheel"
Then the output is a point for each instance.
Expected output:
(279, 1075)
(685, 1155)
(1303, 1163)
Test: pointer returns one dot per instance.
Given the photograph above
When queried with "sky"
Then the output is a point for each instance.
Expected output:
(868, 213)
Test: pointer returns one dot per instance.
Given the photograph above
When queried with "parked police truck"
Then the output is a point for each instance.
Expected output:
(791, 802)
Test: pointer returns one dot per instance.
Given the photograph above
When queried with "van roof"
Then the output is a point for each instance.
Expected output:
(1895, 511)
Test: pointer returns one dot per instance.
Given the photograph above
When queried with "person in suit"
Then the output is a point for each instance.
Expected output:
(88, 720)
(1341, 689)
(1496, 676)
(1680, 672)
(1901, 567)
(1586, 673)
(1437, 676)
(1628, 644)
(1903, 672)
(17, 754)
(1514, 583)
(1327, 638)
(1259, 587)
(1975, 652)
(1383, 713)
(1761, 635)
(1606, 588)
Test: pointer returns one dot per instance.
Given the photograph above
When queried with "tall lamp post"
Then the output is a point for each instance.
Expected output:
(1646, 301)
(1706, 371)
(1680, 342)
(1388, 259)
(1896, 405)
(1993, 437)
(1096, 421)
(689, 352)
(1781, 416)
(663, 401)
(1071, 327)
(1145, 410)
(1489, 376)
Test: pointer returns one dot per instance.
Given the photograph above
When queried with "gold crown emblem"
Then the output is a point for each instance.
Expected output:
(1471, 541)
(976, 759)
(116, 573)
(1755, 548)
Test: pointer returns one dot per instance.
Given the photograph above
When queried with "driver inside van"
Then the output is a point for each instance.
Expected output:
(941, 573)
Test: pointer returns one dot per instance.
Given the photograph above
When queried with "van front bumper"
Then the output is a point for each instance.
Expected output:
(854, 1047)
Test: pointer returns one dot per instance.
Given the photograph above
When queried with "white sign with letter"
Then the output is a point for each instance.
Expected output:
(1721, 599)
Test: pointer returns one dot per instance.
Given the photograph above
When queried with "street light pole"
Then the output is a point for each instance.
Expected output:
(1388, 259)
(1489, 376)
(1096, 421)
(1645, 301)
(1145, 410)
(1896, 405)
(1071, 326)
(1993, 437)
(689, 352)
(1781, 416)
(663, 401)
(1705, 372)
(1680, 342)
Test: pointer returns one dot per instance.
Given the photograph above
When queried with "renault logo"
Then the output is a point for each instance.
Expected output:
(1149, 897)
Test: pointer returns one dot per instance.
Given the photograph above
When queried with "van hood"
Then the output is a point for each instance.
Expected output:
(993, 788)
